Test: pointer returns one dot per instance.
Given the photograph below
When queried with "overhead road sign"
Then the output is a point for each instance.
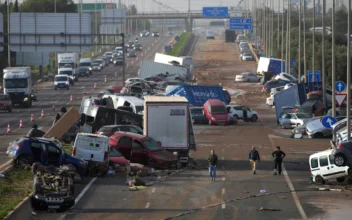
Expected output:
(241, 23)
(340, 99)
(113, 16)
(340, 86)
(215, 12)
(317, 76)
(328, 121)
(1, 32)
(50, 32)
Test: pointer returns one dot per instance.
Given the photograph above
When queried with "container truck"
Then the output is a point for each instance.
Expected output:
(172, 60)
(270, 65)
(68, 64)
(168, 121)
(18, 85)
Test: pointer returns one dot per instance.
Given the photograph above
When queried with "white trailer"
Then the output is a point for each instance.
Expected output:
(68, 63)
(171, 60)
(168, 121)
(18, 85)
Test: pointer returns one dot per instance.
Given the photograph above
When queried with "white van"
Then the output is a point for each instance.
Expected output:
(93, 147)
(62, 81)
(86, 62)
(135, 103)
(323, 168)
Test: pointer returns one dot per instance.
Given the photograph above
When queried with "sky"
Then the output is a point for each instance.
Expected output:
(182, 5)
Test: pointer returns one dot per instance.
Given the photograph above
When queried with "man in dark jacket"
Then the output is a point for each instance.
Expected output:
(278, 155)
(35, 132)
(254, 158)
(213, 161)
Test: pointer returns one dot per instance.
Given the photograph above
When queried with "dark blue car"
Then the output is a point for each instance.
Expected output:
(26, 151)
(275, 83)
(198, 116)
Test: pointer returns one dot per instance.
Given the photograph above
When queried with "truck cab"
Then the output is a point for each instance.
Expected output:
(70, 73)
(69, 64)
(17, 83)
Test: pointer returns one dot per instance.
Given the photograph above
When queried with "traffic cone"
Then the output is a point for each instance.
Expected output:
(95, 85)
(21, 123)
(42, 114)
(32, 117)
(8, 128)
(53, 107)
(71, 98)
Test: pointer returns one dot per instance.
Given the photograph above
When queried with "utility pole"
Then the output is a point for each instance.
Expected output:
(269, 27)
(278, 25)
(282, 36)
(287, 27)
(304, 43)
(8, 34)
(323, 72)
(348, 82)
(313, 44)
(299, 41)
(272, 28)
(333, 62)
(289, 37)
(189, 16)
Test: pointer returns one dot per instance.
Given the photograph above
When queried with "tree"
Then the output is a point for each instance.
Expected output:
(16, 8)
(62, 6)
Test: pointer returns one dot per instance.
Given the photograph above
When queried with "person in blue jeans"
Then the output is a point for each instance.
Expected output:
(213, 161)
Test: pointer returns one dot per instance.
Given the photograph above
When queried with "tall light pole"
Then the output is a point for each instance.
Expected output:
(8, 34)
(272, 28)
(282, 36)
(287, 30)
(333, 62)
(289, 37)
(278, 25)
(348, 81)
(304, 43)
(313, 44)
(323, 72)
(299, 41)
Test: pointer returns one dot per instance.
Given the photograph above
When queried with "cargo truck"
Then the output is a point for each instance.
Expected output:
(69, 64)
(18, 85)
(168, 121)
(270, 65)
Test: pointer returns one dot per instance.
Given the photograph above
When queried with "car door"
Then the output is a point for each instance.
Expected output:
(239, 111)
(324, 166)
(285, 119)
(124, 146)
(139, 153)
(294, 120)
(54, 155)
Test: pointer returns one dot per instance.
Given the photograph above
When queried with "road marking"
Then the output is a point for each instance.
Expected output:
(223, 206)
(79, 197)
(153, 190)
(290, 185)
(5, 164)
(147, 205)
(223, 191)
(223, 179)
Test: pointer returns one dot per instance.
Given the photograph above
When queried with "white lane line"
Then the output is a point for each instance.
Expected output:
(5, 164)
(290, 185)
(223, 206)
(79, 197)
(147, 205)
(222, 158)
(223, 179)
(223, 191)
(153, 190)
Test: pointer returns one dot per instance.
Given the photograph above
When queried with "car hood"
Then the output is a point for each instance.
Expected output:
(220, 116)
(166, 154)
(315, 125)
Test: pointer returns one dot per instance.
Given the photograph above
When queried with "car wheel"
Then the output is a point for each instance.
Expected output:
(23, 161)
(319, 180)
(349, 181)
(340, 160)
(55, 88)
(298, 124)
(151, 163)
(235, 117)
(248, 80)
(319, 135)
(340, 179)
(254, 118)
(350, 174)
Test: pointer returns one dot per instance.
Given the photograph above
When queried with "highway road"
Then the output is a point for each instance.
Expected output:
(47, 96)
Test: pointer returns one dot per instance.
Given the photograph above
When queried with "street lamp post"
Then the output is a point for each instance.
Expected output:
(299, 41)
(313, 44)
(323, 72)
(333, 62)
(348, 81)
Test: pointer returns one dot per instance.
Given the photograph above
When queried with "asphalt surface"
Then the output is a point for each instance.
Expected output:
(237, 193)
(47, 96)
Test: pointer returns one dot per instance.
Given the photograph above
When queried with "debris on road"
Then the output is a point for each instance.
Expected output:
(268, 210)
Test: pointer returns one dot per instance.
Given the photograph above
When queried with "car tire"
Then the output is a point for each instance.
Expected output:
(319, 180)
(340, 179)
(340, 160)
(55, 88)
(248, 80)
(319, 135)
(151, 163)
(254, 118)
(23, 161)
(235, 117)
(350, 173)
(298, 124)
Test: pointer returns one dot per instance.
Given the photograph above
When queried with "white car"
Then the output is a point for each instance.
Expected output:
(270, 100)
(322, 168)
(247, 56)
(286, 77)
(247, 77)
(134, 80)
(289, 120)
(238, 111)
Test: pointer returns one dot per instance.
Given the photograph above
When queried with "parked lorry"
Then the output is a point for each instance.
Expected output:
(296, 95)
(270, 65)
(149, 68)
(68, 64)
(168, 121)
(198, 95)
(172, 60)
(18, 85)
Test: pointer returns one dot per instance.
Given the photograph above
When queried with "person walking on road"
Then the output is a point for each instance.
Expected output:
(254, 158)
(278, 155)
(213, 161)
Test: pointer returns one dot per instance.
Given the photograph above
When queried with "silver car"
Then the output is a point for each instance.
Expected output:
(315, 128)
(301, 130)
(289, 120)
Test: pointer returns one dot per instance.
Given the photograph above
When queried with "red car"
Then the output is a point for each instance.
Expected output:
(5, 102)
(116, 89)
(143, 150)
(216, 112)
(116, 158)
